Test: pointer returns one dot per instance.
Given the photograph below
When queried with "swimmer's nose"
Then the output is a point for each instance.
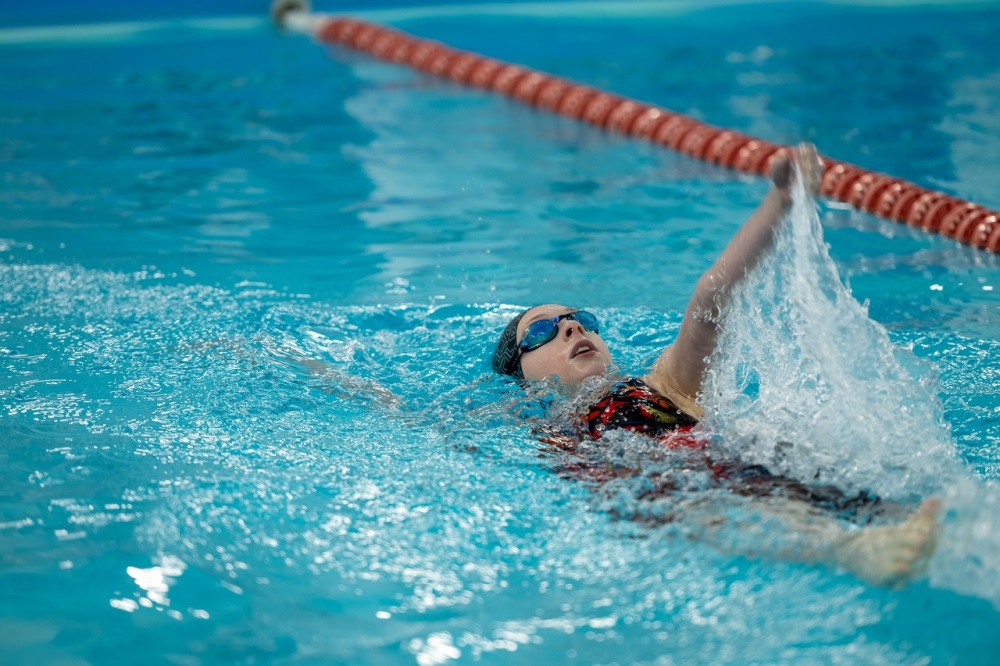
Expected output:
(572, 326)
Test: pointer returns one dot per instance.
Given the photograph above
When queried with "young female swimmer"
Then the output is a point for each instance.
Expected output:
(563, 343)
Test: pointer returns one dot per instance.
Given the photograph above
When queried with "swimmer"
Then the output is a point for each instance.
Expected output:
(564, 344)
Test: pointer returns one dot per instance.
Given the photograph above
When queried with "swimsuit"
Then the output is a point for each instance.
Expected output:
(635, 406)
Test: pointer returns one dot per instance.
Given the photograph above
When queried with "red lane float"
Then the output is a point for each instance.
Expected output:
(875, 193)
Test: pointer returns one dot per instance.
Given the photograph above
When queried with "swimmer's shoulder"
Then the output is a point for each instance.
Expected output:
(662, 382)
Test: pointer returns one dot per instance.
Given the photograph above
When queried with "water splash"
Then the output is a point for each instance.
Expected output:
(968, 555)
(806, 383)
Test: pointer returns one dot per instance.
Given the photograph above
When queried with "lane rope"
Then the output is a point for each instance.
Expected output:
(880, 194)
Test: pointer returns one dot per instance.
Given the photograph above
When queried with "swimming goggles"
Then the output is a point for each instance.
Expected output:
(544, 331)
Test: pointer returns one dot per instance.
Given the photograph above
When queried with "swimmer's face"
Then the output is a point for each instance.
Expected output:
(574, 354)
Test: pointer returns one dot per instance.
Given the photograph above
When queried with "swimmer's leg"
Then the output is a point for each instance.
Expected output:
(894, 554)
(889, 555)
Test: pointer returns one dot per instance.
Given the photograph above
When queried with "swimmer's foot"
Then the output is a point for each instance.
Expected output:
(892, 556)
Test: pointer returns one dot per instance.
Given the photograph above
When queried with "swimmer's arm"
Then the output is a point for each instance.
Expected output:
(681, 367)
(334, 382)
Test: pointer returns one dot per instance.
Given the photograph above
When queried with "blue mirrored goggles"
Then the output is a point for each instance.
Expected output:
(544, 331)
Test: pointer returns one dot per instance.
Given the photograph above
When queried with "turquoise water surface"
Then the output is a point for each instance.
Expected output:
(250, 285)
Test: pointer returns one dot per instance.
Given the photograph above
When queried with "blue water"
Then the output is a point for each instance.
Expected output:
(250, 285)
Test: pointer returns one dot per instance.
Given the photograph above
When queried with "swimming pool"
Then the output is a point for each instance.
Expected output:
(250, 286)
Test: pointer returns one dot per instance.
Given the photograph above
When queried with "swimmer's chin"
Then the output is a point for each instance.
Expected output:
(572, 383)
(586, 366)
(599, 367)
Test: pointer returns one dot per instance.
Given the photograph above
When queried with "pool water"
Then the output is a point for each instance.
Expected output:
(250, 286)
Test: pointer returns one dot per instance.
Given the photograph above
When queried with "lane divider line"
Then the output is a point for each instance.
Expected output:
(880, 194)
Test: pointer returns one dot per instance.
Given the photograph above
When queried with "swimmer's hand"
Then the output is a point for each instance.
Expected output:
(810, 167)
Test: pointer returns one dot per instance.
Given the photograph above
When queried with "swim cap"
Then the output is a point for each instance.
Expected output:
(506, 360)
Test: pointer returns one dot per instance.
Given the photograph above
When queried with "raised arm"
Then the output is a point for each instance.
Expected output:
(679, 370)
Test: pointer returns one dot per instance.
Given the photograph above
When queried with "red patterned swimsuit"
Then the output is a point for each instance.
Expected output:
(633, 405)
